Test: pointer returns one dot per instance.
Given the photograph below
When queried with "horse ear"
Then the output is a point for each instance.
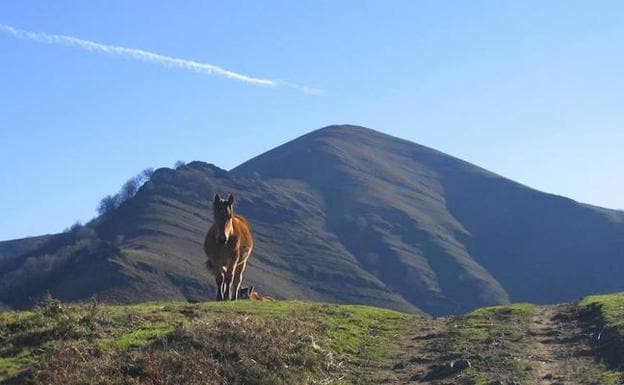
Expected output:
(217, 198)
(230, 199)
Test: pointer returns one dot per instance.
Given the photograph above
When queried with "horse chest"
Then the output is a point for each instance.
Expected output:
(223, 254)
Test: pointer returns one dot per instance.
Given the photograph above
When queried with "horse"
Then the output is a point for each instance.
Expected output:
(252, 295)
(228, 245)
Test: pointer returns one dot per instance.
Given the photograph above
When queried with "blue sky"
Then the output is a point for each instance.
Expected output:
(531, 90)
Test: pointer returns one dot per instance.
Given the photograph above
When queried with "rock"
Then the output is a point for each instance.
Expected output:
(445, 370)
(461, 364)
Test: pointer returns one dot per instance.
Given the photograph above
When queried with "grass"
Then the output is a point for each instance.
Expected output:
(284, 342)
(492, 339)
(11, 365)
(609, 308)
(141, 336)
(604, 317)
(488, 323)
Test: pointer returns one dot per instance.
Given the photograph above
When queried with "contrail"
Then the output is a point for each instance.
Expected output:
(139, 54)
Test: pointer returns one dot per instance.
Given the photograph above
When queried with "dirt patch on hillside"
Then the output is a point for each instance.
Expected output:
(513, 345)
(412, 354)
(560, 350)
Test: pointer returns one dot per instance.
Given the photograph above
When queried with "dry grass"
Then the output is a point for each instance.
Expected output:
(209, 343)
(243, 350)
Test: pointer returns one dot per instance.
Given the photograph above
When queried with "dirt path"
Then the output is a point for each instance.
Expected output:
(549, 348)
(559, 349)
(416, 350)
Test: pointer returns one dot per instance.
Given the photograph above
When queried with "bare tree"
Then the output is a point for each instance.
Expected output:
(129, 189)
(108, 204)
(146, 174)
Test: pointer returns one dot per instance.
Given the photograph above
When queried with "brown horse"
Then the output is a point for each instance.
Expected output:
(228, 246)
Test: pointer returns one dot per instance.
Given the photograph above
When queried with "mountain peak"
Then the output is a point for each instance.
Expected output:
(354, 132)
(352, 146)
(345, 128)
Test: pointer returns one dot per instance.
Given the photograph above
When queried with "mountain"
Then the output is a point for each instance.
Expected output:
(343, 214)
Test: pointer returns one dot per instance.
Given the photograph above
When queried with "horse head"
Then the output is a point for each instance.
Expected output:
(223, 214)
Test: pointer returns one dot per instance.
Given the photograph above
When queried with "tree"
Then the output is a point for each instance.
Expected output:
(76, 226)
(178, 164)
(129, 189)
(146, 174)
(108, 204)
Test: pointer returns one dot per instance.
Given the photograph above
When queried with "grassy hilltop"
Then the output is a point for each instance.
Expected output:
(290, 342)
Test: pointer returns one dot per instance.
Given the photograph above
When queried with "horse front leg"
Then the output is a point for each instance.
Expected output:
(238, 278)
(220, 281)
(229, 279)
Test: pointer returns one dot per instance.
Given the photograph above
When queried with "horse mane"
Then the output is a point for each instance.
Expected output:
(242, 219)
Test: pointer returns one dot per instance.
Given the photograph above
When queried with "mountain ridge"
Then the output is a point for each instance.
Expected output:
(350, 215)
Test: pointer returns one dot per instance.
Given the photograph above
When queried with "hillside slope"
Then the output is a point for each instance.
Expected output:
(445, 234)
(289, 342)
(343, 214)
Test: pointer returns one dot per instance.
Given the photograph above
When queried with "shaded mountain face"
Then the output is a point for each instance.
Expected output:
(343, 214)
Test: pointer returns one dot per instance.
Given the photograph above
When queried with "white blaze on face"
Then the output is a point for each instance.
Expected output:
(229, 229)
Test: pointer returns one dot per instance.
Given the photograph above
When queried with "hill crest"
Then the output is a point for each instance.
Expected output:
(293, 342)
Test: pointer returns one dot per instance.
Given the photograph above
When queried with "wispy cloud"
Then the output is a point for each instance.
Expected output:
(167, 61)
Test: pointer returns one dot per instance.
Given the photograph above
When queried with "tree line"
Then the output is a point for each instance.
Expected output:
(127, 191)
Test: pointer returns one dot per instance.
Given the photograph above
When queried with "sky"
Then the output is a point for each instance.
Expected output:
(531, 90)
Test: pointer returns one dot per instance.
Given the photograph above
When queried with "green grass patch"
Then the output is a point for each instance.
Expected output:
(9, 366)
(141, 336)
(603, 315)
(508, 322)
(609, 308)
(611, 377)
(352, 329)
(492, 339)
